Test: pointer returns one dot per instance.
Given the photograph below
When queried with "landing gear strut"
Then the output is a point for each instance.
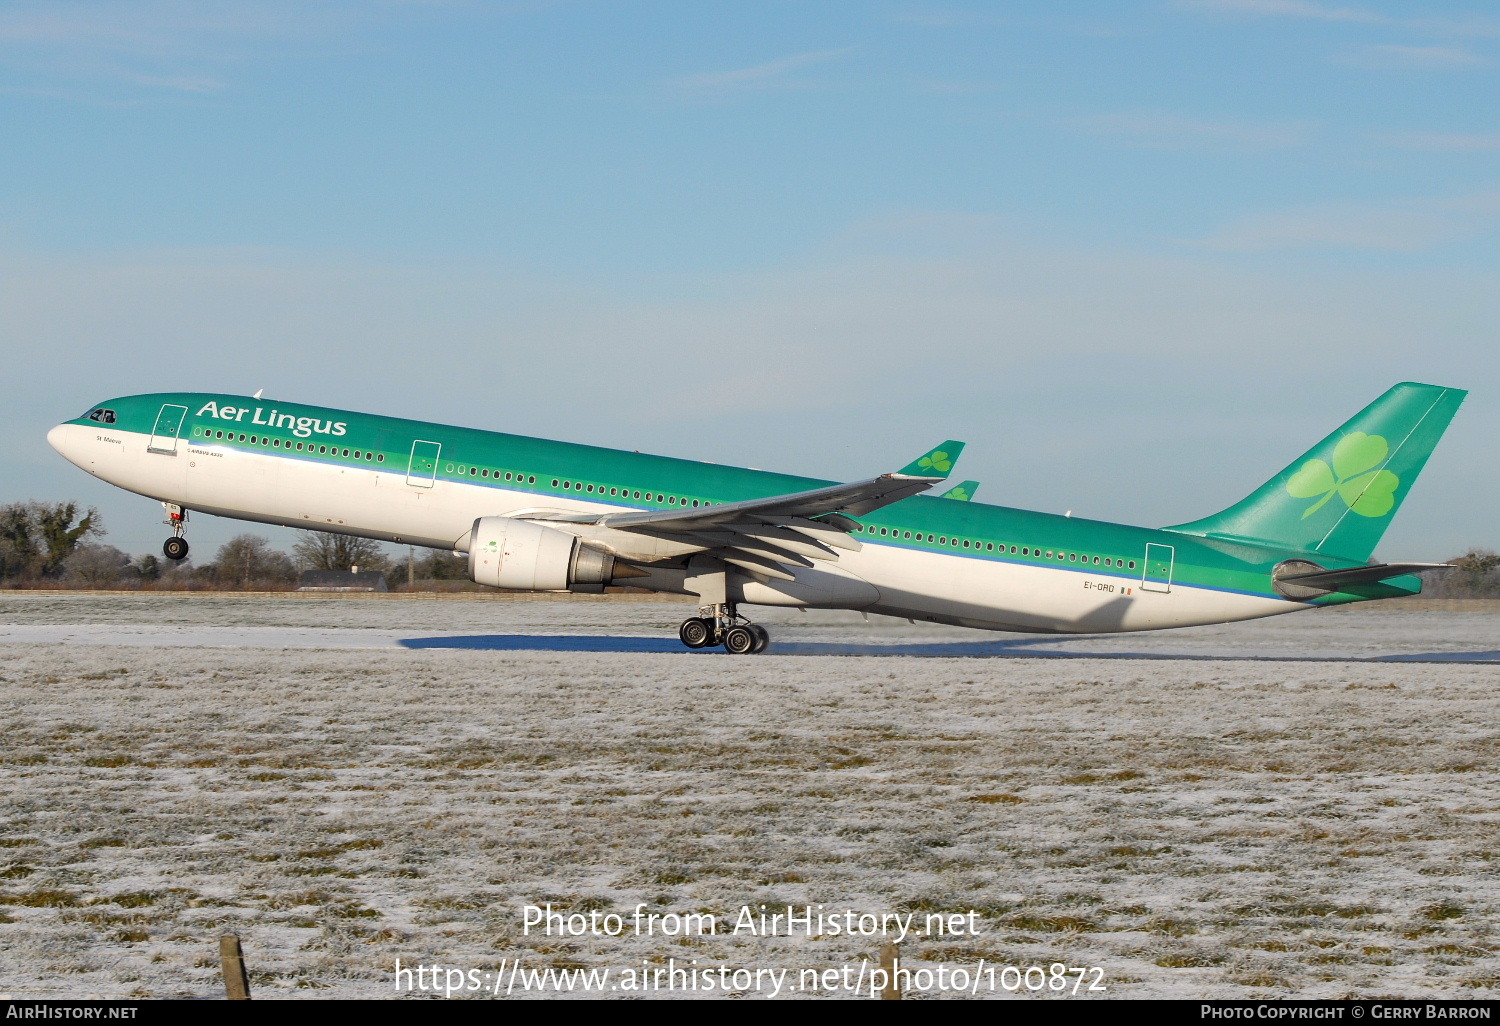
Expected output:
(721, 624)
(175, 548)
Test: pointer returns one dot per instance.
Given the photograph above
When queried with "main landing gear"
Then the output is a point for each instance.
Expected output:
(175, 548)
(721, 624)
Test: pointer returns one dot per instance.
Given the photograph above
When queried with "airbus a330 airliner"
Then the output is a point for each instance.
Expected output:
(539, 515)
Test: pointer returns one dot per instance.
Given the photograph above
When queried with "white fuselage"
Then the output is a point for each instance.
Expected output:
(382, 503)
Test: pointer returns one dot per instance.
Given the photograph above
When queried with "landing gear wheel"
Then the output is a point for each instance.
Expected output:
(739, 641)
(696, 632)
(762, 637)
(175, 548)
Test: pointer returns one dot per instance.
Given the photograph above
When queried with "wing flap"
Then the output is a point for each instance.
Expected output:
(757, 564)
(766, 551)
(822, 531)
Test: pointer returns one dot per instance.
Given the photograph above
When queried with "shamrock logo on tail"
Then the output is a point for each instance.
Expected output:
(938, 461)
(961, 493)
(1354, 477)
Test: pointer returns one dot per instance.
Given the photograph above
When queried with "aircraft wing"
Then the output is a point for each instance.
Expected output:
(767, 536)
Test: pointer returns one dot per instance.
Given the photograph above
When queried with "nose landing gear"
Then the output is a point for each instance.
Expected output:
(175, 548)
(721, 624)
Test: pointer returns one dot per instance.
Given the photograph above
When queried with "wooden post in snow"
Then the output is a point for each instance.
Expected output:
(890, 956)
(232, 959)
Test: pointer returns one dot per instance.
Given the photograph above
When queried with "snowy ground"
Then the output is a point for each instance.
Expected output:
(1289, 807)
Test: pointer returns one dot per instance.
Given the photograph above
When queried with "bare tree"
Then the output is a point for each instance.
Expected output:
(319, 551)
(248, 559)
(98, 566)
(443, 566)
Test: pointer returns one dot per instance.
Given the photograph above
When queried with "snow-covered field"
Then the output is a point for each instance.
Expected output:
(1303, 806)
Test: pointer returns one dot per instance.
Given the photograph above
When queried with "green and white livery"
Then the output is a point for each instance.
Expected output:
(534, 514)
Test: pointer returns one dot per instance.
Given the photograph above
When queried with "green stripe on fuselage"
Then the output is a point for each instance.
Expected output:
(385, 443)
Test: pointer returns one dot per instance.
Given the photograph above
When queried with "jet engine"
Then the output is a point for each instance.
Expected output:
(525, 556)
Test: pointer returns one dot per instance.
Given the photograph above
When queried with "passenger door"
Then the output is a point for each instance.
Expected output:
(1157, 575)
(169, 422)
(421, 472)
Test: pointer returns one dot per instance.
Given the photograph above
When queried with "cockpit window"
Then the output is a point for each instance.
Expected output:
(102, 415)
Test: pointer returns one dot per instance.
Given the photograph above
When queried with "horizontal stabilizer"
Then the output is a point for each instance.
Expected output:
(963, 491)
(1299, 579)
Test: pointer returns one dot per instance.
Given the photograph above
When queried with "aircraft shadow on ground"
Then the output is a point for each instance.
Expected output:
(1024, 648)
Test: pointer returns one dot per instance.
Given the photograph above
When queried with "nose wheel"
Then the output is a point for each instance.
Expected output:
(175, 548)
(722, 625)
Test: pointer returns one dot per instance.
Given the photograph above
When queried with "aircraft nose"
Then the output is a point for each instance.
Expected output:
(55, 437)
(59, 438)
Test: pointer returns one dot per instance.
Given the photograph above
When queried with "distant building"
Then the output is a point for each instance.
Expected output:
(342, 580)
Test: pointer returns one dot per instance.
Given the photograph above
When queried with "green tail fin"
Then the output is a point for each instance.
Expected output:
(1338, 498)
(963, 492)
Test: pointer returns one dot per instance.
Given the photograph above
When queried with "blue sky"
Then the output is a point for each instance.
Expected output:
(1139, 255)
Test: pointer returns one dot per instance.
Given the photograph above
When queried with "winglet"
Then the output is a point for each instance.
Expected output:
(963, 492)
(936, 464)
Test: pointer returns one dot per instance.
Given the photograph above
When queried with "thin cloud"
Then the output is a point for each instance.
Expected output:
(1306, 10)
(1285, 9)
(181, 83)
(1391, 57)
(949, 87)
(155, 45)
(1161, 129)
(936, 17)
(758, 74)
(156, 28)
(1406, 227)
(1440, 142)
